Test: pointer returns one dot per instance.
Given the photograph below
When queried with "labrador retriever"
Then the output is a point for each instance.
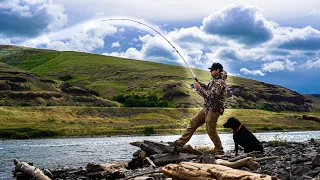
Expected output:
(243, 137)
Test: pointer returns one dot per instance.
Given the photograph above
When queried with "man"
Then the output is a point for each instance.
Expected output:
(214, 95)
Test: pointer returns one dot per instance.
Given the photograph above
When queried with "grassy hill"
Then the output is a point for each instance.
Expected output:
(22, 88)
(112, 76)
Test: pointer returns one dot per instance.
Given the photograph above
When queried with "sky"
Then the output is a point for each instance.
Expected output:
(274, 41)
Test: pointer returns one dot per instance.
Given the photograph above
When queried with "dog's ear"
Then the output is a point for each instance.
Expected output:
(235, 122)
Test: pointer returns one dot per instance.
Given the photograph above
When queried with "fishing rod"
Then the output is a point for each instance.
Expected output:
(157, 32)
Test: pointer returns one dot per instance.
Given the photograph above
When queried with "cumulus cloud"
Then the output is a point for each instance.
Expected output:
(131, 53)
(115, 44)
(307, 38)
(121, 30)
(253, 72)
(312, 64)
(242, 23)
(90, 38)
(273, 67)
(5, 41)
(155, 48)
(29, 18)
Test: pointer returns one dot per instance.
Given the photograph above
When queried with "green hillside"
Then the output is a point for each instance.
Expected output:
(22, 88)
(112, 76)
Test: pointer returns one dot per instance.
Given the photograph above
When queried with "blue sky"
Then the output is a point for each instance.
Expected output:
(274, 41)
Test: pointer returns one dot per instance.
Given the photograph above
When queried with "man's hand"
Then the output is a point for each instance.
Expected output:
(197, 85)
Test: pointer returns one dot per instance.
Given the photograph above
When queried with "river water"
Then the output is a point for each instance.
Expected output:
(77, 152)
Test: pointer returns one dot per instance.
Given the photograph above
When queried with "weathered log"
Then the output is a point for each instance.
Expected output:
(266, 158)
(243, 156)
(246, 162)
(150, 162)
(313, 118)
(107, 171)
(153, 172)
(196, 171)
(29, 170)
(137, 160)
(163, 159)
(152, 147)
(92, 167)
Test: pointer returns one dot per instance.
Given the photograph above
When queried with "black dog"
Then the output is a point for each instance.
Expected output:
(243, 137)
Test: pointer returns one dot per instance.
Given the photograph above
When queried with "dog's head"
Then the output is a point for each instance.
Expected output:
(232, 123)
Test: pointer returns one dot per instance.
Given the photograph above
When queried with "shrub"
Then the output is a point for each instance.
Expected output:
(141, 101)
(65, 78)
(148, 130)
(26, 133)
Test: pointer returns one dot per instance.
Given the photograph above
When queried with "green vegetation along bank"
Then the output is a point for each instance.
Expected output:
(67, 121)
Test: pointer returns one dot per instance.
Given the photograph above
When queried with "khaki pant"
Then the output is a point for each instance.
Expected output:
(208, 117)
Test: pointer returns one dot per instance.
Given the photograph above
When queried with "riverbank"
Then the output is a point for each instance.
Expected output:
(69, 121)
(294, 160)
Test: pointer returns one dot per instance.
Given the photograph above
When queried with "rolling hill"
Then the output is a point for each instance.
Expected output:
(108, 77)
(22, 88)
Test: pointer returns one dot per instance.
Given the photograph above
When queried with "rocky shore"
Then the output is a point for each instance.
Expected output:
(295, 161)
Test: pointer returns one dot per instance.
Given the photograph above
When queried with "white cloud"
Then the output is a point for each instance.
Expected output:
(273, 67)
(166, 10)
(115, 44)
(5, 41)
(30, 17)
(90, 38)
(131, 53)
(121, 30)
(312, 64)
(289, 65)
(249, 72)
(307, 38)
(240, 22)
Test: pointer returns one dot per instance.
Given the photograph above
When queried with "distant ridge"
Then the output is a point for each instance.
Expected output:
(112, 76)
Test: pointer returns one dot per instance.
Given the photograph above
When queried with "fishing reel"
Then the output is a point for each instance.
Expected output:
(193, 88)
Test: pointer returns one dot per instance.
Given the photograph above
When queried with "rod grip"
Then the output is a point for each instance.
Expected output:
(196, 79)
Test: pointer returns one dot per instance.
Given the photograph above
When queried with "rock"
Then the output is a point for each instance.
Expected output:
(314, 172)
(300, 159)
(283, 176)
(299, 171)
(316, 161)
(301, 178)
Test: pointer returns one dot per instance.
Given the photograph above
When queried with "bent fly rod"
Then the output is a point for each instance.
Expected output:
(157, 32)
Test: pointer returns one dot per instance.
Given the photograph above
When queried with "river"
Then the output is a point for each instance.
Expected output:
(77, 152)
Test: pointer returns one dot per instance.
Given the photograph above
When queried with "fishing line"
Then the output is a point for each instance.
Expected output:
(157, 32)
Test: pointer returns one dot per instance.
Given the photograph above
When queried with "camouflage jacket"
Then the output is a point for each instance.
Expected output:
(214, 93)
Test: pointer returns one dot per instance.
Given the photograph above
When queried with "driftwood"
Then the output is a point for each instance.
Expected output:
(29, 170)
(152, 147)
(246, 162)
(313, 118)
(108, 170)
(196, 171)
(266, 158)
(162, 153)
(243, 156)
(150, 162)
(142, 174)
(137, 160)
(163, 159)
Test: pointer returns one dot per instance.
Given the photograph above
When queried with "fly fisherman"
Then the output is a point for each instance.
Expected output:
(214, 95)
